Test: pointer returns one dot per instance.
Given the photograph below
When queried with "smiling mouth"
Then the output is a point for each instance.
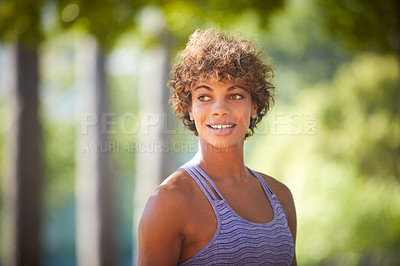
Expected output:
(221, 126)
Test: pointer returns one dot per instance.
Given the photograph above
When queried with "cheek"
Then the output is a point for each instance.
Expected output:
(250, 110)
(198, 113)
(244, 115)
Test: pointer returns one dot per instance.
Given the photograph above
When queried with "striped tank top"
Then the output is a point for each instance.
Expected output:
(238, 241)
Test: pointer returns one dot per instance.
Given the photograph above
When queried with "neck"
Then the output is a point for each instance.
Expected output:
(225, 163)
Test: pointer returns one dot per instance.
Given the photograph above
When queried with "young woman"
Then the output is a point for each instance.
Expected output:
(214, 210)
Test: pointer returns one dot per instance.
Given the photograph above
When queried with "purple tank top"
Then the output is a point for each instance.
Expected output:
(238, 241)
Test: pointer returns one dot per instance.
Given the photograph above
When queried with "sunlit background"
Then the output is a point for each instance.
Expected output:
(75, 180)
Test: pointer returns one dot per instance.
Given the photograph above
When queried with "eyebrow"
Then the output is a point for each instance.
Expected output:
(210, 89)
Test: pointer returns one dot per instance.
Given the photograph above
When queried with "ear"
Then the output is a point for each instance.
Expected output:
(191, 113)
(254, 108)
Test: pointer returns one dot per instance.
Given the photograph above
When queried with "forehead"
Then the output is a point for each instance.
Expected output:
(214, 84)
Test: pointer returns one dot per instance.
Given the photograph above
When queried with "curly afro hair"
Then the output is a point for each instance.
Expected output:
(214, 54)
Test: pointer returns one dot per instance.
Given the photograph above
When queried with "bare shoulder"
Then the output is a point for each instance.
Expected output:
(163, 221)
(282, 192)
(173, 194)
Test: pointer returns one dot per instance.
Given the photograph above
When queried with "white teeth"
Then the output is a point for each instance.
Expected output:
(221, 126)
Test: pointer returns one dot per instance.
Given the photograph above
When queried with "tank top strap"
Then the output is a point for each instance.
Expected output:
(194, 172)
(210, 181)
(200, 177)
(264, 184)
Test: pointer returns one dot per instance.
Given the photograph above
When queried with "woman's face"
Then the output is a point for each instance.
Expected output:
(221, 111)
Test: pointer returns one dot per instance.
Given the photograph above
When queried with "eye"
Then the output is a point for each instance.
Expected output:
(204, 98)
(236, 96)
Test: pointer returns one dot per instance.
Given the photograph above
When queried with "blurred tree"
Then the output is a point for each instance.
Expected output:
(95, 210)
(370, 26)
(104, 21)
(20, 26)
(150, 158)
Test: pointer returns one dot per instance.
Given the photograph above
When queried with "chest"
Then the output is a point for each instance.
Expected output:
(245, 203)
(249, 202)
(232, 240)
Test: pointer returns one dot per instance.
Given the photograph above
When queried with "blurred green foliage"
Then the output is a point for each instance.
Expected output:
(183, 17)
(105, 19)
(366, 25)
(360, 117)
(20, 20)
(59, 148)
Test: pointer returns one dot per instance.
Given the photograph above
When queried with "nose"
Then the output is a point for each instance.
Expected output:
(220, 108)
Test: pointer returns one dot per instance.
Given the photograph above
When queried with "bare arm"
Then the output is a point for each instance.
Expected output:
(160, 228)
(292, 221)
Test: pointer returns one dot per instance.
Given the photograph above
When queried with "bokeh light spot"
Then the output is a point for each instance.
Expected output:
(70, 13)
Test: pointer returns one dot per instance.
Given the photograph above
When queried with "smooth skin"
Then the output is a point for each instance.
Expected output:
(178, 220)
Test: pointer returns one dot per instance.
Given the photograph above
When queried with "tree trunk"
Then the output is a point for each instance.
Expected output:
(96, 238)
(397, 8)
(151, 146)
(22, 184)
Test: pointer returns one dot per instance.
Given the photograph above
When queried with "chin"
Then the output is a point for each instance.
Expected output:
(221, 145)
(222, 141)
